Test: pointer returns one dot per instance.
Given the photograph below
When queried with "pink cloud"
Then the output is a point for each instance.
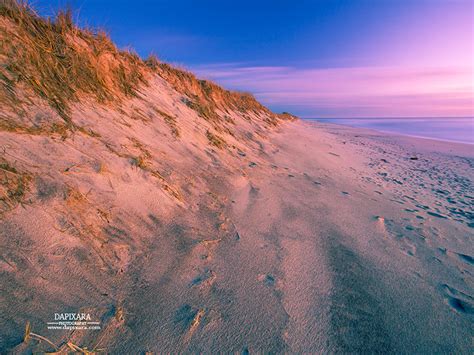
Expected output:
(350, 92)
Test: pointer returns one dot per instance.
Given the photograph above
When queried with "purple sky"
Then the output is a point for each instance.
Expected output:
(373, 91)
(315, 58)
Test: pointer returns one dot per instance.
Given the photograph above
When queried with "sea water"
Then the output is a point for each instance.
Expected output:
(449, 129)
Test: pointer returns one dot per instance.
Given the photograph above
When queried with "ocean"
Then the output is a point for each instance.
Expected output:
(447, 129)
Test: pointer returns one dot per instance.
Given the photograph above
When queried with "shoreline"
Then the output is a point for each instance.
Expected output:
(391, 132)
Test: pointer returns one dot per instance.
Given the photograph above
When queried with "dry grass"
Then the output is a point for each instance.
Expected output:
(58, 61)
(30, 335)
(144, 161)
(25, 125)
(287, 116)
(215, 140)
(207, 93)
(13, 186)
(208, 98)
(152, 62)
(195, 324)
(196, 321)
(170, 121)
(167, 187)
(88, 132)
(139, 162)
(203, 109)
(140, 146)
(120, 314)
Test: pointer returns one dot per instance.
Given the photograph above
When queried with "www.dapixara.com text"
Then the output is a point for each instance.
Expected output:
(73, 321)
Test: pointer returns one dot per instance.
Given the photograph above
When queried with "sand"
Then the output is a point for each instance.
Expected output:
(320, 238)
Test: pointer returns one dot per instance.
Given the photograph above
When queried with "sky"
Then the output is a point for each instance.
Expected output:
(319, 58)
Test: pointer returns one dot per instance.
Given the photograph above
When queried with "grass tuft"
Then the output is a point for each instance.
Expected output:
(215, 140)
(208, 99)
(59, 62)
(170, 121)
(13, 186)
(152, 62)
(139, 162)
(120, 314)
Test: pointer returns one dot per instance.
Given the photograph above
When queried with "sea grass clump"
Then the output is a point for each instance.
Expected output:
(59, 62)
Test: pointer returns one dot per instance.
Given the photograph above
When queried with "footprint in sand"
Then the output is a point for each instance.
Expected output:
(306, 175)
(458, 301)
(185, 316)
(205, 279)
(267, 279)
(438, 215)
(424, 207)
(466, 258)
(403, 234)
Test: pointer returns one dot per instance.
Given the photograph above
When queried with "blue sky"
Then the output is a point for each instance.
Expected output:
(320, 58)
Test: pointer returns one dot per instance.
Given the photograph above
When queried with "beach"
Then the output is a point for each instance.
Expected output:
(324, 238)
(450, 129)
(360, 242)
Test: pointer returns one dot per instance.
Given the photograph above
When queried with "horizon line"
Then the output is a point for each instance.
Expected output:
(385, 117)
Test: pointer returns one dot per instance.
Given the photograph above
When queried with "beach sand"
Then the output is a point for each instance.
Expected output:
(322, 238)
(180, 217)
